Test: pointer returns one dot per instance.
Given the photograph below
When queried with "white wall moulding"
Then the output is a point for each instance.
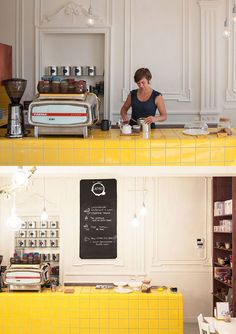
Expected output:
(63, 13)
(231, 56)
(19, 52)
(208, 13)
(177, 70)
(168, 232)
(71, 54)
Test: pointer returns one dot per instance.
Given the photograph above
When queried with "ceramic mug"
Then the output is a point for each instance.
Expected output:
(105, 124)
(126, 129)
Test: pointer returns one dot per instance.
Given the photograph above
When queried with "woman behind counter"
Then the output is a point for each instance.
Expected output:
(144, 101)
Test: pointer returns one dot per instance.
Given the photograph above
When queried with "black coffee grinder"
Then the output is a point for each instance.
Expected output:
(16, 126)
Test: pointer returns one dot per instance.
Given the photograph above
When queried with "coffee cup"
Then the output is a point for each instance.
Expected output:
(105, 124)
(227, 245)
(126, 129)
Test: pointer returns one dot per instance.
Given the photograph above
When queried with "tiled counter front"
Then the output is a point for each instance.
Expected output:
(90, 311)
(166, 147)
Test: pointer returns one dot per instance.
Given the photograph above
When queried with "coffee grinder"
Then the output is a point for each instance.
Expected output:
(15, 89)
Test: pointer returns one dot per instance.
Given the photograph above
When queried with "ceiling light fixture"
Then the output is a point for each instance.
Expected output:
(19, 179)
(13, 221)
(44, 214)
(90, 20)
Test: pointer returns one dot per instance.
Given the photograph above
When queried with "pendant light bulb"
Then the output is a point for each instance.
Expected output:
(143, 210)
(44, 215)
(135, 221)
(226, 29)
(14, 222)
(90, 20)
(20, 178)
(234, 13)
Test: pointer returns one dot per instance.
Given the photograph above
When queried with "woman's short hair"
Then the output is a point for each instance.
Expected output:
(142, 73)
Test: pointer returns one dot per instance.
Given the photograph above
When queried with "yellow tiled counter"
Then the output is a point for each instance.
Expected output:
(164, 147)
(91, 311)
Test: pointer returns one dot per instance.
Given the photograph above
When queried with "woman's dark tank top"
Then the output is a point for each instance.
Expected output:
(142, 109)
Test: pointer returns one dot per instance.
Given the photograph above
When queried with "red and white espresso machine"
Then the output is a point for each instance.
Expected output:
(63, 114)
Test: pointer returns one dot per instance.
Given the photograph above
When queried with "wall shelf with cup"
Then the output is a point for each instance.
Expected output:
(224, 241)
(84, 56)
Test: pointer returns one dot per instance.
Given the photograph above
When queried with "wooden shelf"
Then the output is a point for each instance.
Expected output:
(216, 296)
(216, 264)
(223, 232)
(226, 284)
(224, 249)
(224, 189)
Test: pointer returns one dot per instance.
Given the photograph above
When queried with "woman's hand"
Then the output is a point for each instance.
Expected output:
(149, 120)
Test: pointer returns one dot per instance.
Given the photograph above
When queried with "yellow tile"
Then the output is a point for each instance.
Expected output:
(97, 144)
(6, 144)
(202, 155)
(50, 143)
(143, 157)
(187, 155)
(126, 143)
(188, 141)
(172, 155)
(175, 323)
(217, 163)
(127, 156)
(163, 323)
(112, 144)
(112, 156)
(81, 143)
(203, 142)
(173, 143)
(51, 157)
(36, 157)
(65, 143)
(81, 156)
(35, 143)
(217, 154)
(143, 143)
(66, 157)
(97, 156)
(21, 156)
(143, 323)
(158, 143)
(230, 141)
(5, 156)
(153, 323)
(217, 142)
(230, 154)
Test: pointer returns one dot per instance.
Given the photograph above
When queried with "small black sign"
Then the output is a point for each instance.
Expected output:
(98, 219)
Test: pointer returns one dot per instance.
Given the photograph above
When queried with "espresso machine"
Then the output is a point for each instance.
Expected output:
(15, 89)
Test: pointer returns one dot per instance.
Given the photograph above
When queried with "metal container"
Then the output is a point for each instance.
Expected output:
(52, 70)
(91, 71)
(77, 71)
(65, 70)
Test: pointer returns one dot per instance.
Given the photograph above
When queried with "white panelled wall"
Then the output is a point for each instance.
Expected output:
(162, 247)
(181, 41)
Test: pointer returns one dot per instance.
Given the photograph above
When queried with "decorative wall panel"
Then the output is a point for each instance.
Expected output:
(63, 13)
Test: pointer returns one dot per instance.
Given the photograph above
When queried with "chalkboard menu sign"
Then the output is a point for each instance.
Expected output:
(98, 219)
